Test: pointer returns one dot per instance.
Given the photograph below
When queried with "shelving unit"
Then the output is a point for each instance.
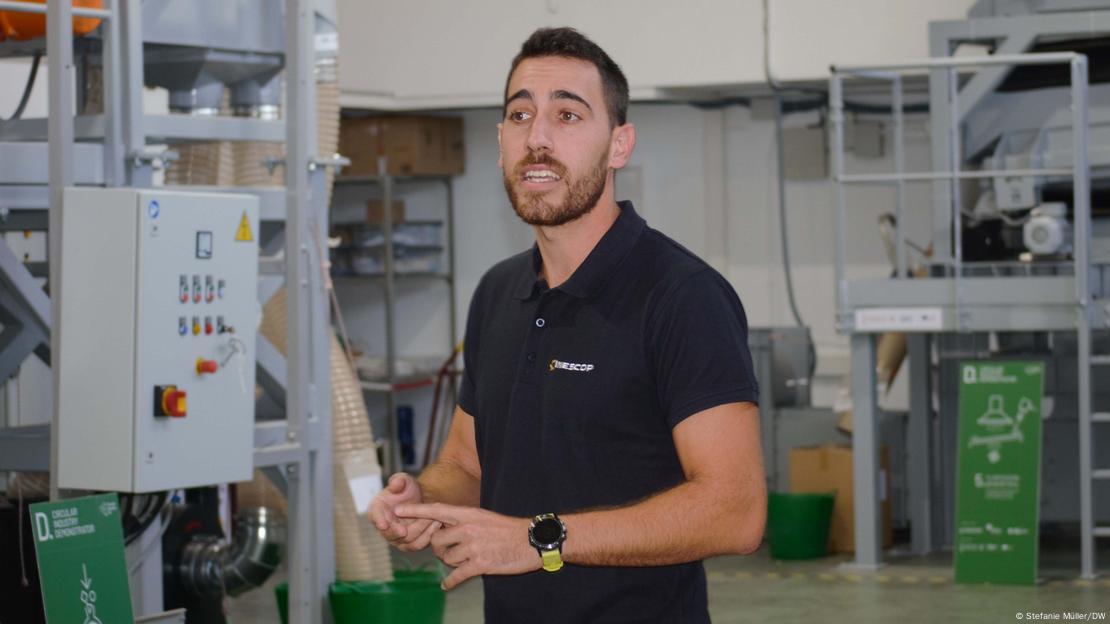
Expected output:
(393, 383)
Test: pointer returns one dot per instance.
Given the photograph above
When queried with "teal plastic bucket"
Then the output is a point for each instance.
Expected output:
(798, 525)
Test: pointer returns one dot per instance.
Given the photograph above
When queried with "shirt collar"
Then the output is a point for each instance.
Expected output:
(598, 266)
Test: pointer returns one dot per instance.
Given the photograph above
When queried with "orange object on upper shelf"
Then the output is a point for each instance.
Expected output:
(23, 26)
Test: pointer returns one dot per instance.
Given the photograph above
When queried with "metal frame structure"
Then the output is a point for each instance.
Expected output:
(955, 301)
(296, 452)
(393, 384)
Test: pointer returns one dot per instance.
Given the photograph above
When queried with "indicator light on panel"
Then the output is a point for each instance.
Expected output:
(207, 366)
(196, 325)
(207, 325)
(182, 326)
(183, 289)
(170, 401)
(220, 288)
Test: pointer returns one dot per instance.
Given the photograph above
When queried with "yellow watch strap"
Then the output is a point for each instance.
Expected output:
(552, 560)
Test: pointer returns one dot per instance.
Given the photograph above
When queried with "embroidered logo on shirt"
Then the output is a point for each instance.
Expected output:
(570, 366)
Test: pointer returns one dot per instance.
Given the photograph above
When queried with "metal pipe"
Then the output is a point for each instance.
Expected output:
(954, 157)
(836, 114)
(1038, 58)
(899, 169)
(41, 9)
(929, 176)
(393, 461)
(112, 100)
(139, 173)
(209, 566)
(1081, 213)
(59, 52)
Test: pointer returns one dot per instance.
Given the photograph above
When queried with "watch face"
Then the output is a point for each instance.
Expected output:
(547, 531)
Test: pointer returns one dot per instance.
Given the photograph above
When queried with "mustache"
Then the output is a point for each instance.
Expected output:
(541, 159)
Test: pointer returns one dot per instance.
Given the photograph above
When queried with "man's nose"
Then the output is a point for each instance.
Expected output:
(539, 135)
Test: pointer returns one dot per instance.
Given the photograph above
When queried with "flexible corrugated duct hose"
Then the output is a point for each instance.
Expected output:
(361, 554)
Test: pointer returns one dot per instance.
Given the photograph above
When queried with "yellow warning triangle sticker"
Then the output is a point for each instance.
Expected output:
(244, 232)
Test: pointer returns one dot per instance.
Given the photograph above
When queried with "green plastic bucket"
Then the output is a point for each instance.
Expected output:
(798, 525)
(412, 597)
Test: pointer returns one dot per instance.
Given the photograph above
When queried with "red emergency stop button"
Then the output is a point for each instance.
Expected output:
(173, 402)
(206, 366)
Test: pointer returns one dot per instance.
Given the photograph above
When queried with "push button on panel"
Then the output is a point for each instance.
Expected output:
(206, 366)
(209, 289)
(196, 325)
(182, 326)
(183, 289)
(196, 289)
(207, 325)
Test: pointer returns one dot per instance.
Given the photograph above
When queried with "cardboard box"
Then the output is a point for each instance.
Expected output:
(412, 145)
(375, 212)
(828, 468)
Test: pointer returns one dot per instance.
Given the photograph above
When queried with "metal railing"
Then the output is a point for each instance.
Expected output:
(1081, 210)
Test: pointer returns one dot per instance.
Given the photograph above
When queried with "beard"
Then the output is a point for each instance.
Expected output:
(582, 195)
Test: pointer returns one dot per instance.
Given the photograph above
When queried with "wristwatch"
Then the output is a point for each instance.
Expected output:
(547, 535)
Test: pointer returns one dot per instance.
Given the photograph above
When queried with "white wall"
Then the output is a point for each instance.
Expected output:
(403, 54)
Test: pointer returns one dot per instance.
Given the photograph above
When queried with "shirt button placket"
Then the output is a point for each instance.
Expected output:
(532, 346)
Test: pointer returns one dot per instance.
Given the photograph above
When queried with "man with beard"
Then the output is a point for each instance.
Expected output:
(607, 437)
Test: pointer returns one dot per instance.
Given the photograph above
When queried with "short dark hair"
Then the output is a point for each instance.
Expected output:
(569, 43)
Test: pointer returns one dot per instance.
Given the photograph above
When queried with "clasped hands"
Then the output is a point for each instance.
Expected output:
(473, 541)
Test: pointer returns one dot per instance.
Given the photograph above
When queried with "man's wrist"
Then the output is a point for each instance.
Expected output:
(546, 534)
(529, 552)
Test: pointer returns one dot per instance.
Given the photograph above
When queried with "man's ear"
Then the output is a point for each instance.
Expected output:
(500, 155)
(621, 144)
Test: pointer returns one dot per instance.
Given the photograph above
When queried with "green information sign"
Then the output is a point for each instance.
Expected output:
(998, 472)
(79, 542)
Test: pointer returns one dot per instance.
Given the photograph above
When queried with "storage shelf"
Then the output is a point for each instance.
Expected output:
(348, 275)
(422, 256)
(345, 180)
(398, 385)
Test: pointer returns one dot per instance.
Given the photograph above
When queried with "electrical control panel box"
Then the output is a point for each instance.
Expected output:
(159, 309)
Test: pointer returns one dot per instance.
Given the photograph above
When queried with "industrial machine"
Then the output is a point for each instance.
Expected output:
(157, 289)
(1020, 254)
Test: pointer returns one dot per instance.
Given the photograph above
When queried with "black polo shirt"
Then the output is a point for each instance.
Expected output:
(574, 392)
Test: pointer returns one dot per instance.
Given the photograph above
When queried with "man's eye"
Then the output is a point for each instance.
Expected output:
(568, 116)
(518, 116)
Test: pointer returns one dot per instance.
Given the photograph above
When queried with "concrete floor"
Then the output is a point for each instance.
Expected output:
(760, 589)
